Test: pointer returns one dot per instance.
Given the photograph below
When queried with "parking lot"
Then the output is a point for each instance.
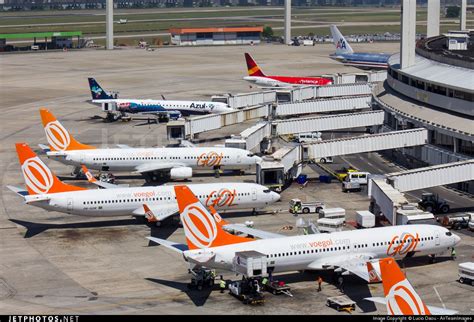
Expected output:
(53, 263)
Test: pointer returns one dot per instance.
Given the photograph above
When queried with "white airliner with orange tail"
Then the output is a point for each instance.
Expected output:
(209, 245)
(400, 296)
(46, 191)
(177, 163)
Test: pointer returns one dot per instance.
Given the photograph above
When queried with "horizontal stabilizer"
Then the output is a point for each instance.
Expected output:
(19, 191)
(252, 231)
(433, 309)
(179, 248)
(44, 148)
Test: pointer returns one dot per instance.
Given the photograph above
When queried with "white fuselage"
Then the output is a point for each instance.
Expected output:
(129, 159)
(298, 252)
(266, 81)
(126, 201)
(156, 106)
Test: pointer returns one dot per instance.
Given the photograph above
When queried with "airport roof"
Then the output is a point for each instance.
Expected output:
(30, 35)
(181, 31)
(437, 73)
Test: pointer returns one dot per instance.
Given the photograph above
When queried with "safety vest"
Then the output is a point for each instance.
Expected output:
(264, 281)
(222, 284)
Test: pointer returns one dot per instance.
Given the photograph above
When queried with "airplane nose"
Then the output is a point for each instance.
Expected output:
(257, 159)
(457, 239)
(275, 196)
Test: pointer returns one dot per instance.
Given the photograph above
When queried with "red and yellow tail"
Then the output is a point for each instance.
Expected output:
(59, 138)
(252, 66)
(401, 297)
(203, 229)
(38, 177)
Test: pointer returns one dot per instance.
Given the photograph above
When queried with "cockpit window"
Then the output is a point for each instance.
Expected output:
(250, 155)
(448, 233)
(267, 190)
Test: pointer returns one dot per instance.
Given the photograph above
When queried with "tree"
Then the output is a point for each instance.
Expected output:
(267, 32)
(453, 11)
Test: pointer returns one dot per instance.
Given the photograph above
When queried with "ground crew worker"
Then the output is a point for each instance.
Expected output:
(222, 284)
(320, 281)
(453, 254)
(264, 281)
(340, 282)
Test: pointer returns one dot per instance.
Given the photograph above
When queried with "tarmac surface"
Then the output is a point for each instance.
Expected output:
(54, 263)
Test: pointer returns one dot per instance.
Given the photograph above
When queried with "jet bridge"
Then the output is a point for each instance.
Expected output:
(326, 105)
(365, 143)
(279, 169)
(313, 92)
(327, 123)
(254, 136)
(433, 176)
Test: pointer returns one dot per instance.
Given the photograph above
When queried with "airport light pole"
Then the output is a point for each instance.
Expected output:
(408, 34)
(433, 18)
(462, 15)
(287, 22)
(109, 22)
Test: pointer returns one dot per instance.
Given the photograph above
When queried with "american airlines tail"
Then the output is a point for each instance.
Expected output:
(400, 296)
(342, 46)
(252, 66)
(97, 92)
(59, 138)
(202, 229)
(39, 179)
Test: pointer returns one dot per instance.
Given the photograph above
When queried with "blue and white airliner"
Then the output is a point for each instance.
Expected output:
(346, 55)
(118, 107)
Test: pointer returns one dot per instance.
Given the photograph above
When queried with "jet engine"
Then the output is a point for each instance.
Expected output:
(181, 173)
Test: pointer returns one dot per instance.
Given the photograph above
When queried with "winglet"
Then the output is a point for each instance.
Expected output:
(202, 229)
(88, 174)
(374, 274)
(149, 215)
(39, 179)
(59, 138)
(252, 67)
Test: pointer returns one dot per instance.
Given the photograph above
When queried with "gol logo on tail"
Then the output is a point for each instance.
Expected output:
(403, 300)
(200, 227)
(211, 159)
(403, 245)
(57, 136)
(38, 178)
(223, 197)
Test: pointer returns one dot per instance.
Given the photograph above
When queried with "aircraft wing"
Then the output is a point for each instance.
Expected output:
(123, 146)
(156, 213)
(157, 166)
(252, 231)
(433, 309)
(355, 264)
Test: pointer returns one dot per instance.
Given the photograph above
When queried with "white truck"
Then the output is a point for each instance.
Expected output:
(330, 225)
(298, 207)
(333, 213)
(466, 273)
(365, 219)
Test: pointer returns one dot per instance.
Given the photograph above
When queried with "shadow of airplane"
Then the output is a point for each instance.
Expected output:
(33, 229)
(199, 298)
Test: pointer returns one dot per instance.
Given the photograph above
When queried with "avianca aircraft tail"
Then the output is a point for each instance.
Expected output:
(39, 179)
(203, 229)
(252, 67)
(400, 296)
(342, 46)
(59, 138)
(97, 92)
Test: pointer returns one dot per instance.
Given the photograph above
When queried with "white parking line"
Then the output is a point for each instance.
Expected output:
(444, 306)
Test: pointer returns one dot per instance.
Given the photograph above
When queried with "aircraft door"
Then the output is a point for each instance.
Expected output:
(254, 194)
(69, 204)
(437, 238)
(239, 159)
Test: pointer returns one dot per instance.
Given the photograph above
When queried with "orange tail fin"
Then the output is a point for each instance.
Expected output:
(401, 297)
(38, 177)
(252, 66)
(202, 229)
(59, 138)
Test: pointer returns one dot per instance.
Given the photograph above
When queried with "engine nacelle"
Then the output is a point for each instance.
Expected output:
(181, 173)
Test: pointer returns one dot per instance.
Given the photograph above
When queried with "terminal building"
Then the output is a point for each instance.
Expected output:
(435, 92)
(215, 36)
